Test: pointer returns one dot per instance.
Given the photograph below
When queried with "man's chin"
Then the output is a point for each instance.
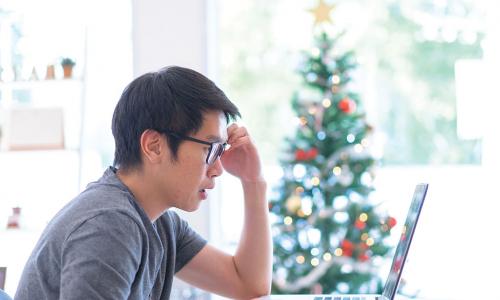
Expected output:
(193, 207)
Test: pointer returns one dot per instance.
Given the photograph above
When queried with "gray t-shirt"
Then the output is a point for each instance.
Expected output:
(103, 246)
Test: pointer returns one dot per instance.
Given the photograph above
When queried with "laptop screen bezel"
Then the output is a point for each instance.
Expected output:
(418, 199)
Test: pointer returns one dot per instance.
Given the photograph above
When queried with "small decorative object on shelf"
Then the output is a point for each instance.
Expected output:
(34, 75)
(3, 274)
(50, 73)
(16, 70)
(67, 64)
(13, 222)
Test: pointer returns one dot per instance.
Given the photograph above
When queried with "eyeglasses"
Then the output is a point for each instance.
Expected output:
(215, 151)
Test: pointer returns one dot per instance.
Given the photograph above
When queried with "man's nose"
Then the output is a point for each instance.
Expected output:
(216, 168)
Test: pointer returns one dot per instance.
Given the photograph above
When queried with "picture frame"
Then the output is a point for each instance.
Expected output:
(36, 128)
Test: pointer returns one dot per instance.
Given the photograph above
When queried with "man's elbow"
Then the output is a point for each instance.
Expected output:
(261, 289)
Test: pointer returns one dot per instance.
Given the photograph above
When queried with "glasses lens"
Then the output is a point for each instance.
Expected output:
(215, 152)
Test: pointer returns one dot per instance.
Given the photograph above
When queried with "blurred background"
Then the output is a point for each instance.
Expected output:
(426, 78)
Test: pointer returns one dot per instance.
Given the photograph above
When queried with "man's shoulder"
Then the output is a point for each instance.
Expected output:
(96, 203)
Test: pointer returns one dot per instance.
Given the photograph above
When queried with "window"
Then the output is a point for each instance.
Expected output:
(407, 52)
(410, 54)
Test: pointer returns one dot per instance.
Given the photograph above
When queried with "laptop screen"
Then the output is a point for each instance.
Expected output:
(404, 242)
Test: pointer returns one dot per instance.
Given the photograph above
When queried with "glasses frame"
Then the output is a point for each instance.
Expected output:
(213, 145)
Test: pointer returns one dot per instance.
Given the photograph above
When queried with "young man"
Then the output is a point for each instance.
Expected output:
(119, 240)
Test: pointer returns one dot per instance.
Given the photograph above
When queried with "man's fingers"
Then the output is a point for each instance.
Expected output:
(239, 142)
(236, 133)
(231, 129)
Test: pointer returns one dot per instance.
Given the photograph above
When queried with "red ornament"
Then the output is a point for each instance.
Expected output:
(347, 247)
(359, 224)
(363, 257)
(347, 253)
(317, 289)
(302, 155)
(312, 153)
(363, 246)
(391, 222)
(347, 105)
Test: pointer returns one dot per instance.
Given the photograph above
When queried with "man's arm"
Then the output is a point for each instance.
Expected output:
(247, 274)
(100, 259)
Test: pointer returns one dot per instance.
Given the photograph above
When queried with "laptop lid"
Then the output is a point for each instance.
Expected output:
(399, 259)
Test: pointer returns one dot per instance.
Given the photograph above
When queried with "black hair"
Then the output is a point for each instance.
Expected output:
(172, 99)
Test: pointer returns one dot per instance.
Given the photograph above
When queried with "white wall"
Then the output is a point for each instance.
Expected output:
(169, 32)
(172, 33)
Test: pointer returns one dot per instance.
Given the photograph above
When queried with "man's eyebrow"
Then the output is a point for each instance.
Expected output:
(215, 139)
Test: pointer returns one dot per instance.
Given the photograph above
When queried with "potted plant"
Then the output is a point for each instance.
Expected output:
(67, 64)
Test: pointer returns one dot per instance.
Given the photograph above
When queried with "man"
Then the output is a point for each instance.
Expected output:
(119, 240)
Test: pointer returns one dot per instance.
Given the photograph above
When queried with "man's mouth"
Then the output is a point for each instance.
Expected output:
(203, 194)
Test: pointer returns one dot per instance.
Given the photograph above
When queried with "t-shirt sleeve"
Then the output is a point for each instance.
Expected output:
(189, 242)
(101, 257)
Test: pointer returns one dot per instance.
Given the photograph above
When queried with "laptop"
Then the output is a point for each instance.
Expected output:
(398, 261)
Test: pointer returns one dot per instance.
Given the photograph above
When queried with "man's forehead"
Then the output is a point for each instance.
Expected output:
(214, 127)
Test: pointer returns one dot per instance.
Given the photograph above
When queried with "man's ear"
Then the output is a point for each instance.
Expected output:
(152, 145)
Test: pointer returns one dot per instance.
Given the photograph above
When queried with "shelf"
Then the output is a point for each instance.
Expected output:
(41, 92)
(38, 152)
(31, 84)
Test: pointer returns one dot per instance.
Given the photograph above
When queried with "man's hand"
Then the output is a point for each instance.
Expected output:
(247, 273)
(242, 159)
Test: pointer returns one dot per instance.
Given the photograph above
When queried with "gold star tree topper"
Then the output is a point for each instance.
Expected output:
(322, 12)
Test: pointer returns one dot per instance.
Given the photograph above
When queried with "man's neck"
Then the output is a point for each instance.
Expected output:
(144, 193)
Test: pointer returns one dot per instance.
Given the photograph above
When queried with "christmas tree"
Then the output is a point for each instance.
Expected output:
(329, 234)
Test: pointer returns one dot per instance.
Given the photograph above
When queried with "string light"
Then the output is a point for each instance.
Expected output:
(327, 256)
(315, 181)
(300, 259)
(363, 217)
(314, 251)
(370, 241)
(314, 262)
(302, 121)
(321, 135)
(337, 171)
(336, 79)
(300, 213)
(306, 211)
(351, 138)
(358, 148)
(288, 220)
(315, 52)
(299, 190)
(312, 110)
(335, 89)
(364, 236)
(338, 252)
(327, 103)
(311, 77)
(365, 142)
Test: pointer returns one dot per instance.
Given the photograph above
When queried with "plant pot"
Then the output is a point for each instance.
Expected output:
(67, 71)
